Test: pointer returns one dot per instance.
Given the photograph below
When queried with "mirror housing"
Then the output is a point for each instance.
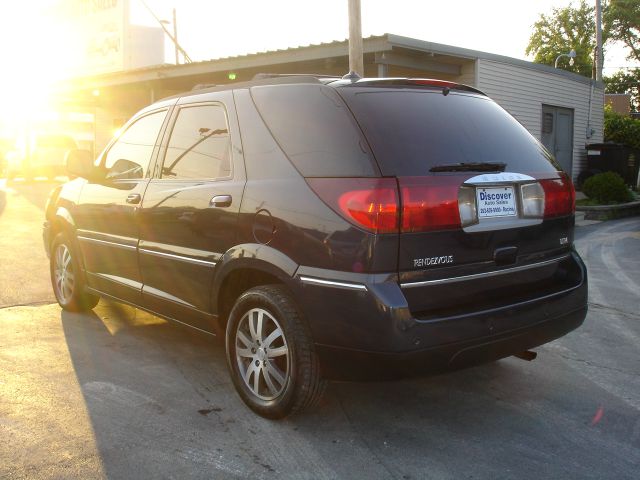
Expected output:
(80, 164)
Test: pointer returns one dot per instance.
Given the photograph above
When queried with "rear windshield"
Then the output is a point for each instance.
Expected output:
(315, 129)
(412, 131)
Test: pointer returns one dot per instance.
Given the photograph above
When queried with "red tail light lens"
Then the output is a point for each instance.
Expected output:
(370, 203)
(430, 203)
(559, 197)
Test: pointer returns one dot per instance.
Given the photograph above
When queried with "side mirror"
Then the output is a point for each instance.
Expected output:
(80, 164)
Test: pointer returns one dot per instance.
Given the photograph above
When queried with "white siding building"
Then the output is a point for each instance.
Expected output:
(562, 109)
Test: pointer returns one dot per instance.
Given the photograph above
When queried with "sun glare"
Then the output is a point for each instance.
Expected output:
(39, 49)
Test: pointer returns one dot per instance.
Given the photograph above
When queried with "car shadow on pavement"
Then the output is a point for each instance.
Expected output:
(160, 402)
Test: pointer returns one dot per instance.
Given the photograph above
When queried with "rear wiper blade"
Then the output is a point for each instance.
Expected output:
(470, 167)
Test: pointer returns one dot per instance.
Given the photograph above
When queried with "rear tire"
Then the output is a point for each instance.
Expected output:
(67, 278)
(270, 353)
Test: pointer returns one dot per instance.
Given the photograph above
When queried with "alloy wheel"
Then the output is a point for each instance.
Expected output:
(262, 354)
(64, 276)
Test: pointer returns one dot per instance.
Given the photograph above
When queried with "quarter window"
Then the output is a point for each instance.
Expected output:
(199, 146)
(130, 155)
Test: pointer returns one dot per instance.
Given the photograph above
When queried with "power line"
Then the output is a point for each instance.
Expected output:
(187, 58)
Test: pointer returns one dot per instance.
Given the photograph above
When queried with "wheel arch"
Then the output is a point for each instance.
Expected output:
(244, 267)
(61, 221)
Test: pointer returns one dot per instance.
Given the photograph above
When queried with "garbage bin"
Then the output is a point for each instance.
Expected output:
(612, 157)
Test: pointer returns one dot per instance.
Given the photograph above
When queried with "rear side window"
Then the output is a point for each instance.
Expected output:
(412, 131)
(315, 129)
(199, 146)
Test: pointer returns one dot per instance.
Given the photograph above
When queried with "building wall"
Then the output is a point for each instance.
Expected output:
(522, 92)
(468, 74)
(620, 102)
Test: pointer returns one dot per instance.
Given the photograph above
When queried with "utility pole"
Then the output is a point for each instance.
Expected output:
(175, 37)
(599, 55)
(187, 58)
(356, 63)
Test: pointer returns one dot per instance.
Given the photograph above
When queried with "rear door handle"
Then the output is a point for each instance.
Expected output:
(220, 201)
(134, 198)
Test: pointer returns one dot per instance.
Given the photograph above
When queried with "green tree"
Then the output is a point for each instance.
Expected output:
(622, 20)
(562, 30)
(621, 129)
(625, 82)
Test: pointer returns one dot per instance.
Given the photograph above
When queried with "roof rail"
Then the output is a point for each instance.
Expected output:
(201, 86)
(264, 76)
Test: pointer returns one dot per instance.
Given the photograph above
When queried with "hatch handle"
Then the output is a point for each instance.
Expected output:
(505, 256)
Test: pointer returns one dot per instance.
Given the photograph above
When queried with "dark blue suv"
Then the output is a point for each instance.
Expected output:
(328, 228)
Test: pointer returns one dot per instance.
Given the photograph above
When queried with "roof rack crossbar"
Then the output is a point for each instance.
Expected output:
(263, 76)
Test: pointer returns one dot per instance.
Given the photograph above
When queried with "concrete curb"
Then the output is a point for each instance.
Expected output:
(582, 222)
(608, 212)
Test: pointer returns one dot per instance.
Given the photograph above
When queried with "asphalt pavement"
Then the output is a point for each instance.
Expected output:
(118, 393)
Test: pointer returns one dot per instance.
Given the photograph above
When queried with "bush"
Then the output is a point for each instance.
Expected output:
(621, 129)
(608, 187)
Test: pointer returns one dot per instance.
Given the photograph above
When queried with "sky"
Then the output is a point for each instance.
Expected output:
(37, 49)
(214, 29)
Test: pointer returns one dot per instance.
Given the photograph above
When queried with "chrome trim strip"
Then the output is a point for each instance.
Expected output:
(178, 257)
(494, 273)
(499, 178)
(104, 242)
(331, 283)
(125, 282)
(147, 290)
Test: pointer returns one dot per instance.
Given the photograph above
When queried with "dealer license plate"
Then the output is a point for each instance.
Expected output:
(496, 202)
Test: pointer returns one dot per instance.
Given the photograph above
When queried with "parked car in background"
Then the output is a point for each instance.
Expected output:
(45, 156)
(327, 228)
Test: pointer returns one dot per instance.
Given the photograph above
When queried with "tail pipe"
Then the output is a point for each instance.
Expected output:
(527, 355)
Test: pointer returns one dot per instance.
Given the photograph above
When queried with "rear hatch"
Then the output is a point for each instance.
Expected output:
(485, 213)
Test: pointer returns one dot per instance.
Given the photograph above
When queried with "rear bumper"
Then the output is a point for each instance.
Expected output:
(346, 364)
(370, 333)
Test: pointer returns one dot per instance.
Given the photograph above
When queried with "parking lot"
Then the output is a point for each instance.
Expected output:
(119, 393)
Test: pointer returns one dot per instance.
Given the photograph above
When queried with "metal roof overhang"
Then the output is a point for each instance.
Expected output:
(384, 55)
(385, 49)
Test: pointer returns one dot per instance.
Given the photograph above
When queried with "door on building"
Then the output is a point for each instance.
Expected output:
(557, 134)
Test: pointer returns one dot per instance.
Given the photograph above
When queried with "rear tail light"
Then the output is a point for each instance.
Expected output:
(430, 203)
(467, 206)
(532, 200)
(369, 203)
(559, 197)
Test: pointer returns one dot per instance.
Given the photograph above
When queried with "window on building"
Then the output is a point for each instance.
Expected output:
(547, 122)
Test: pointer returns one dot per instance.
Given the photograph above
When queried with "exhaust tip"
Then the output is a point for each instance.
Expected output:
(527, 355)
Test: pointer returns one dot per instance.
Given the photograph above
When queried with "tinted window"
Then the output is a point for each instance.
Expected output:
(412, 131)
(199, 146)
(315, 129)
(130, 155)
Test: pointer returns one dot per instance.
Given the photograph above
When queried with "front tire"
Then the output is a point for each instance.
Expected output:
(270, 353)
(67, 278)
